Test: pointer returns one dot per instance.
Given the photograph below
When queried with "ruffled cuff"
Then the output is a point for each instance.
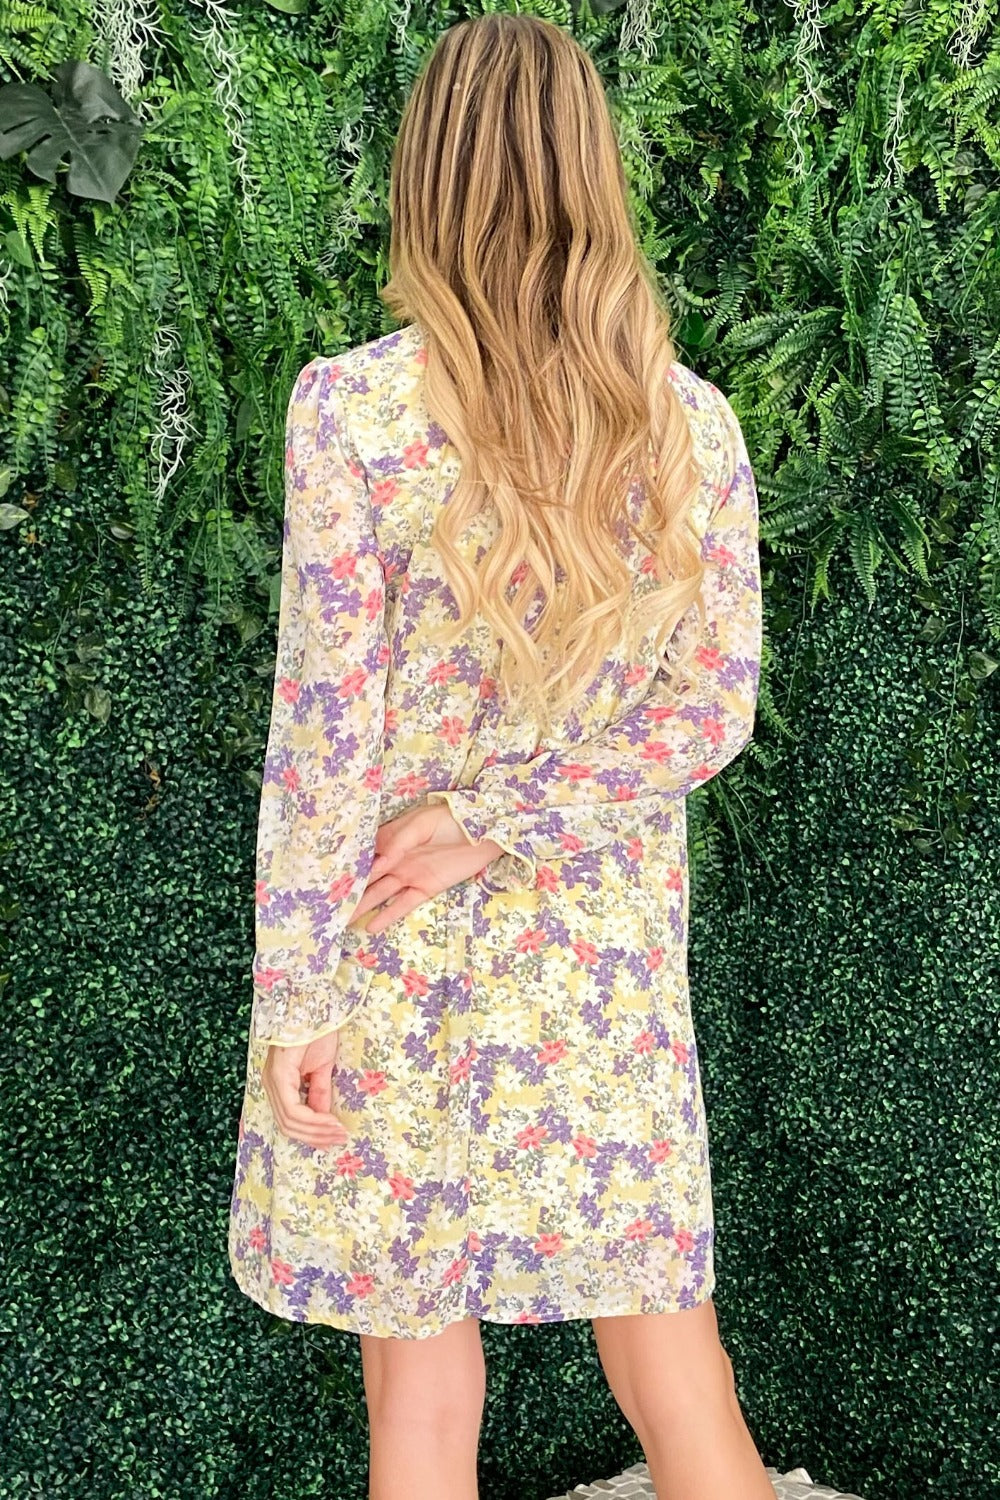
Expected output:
(293, 1010)
(513, 870)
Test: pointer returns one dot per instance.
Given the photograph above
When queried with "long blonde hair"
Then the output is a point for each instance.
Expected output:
(513, 249)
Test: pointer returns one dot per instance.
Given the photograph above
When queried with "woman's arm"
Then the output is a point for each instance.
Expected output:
(564, 802)
(320, 799)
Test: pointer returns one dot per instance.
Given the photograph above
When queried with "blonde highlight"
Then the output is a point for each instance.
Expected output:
(548, 357)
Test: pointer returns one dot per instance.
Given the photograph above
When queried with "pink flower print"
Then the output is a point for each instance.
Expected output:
(401, 1187)
(638, 1229)
(366, 957)
(528, 1317)
(624, 793)
(473, 1242)
(288, 688)
(466, 1185)
(710, 657)
(576, 771)
(659, 712)
(714, 730)
(674, 880)
(360, 1285)
(340, 888)
(549, 1244)
(240, 1130)
(531, 1135)
(268, 978)
(722, 556)
(487, 687)
(374, 607)
(410, 786)
(391, 720)
(452, 729)
(634, 849)
(680, 1051)
(372, 779)
(636, 674)
(648, 564)
(344, 565)
(348, 1164)
(531, 940)
(553, 1051)
(352, 685)
(441, 672)
(655, 958)
(261, 894)
(415, 983)
(572, 843)
(372, 1082)
(384, 491)
(415, 455)
(657, 751)
(455, 1271)
(584, 1145)
(420, 358)
(702, 772)
(459, 1070)
(547, 880)
(291, 779)
(585, 952)
(520, 573)
(660, 1150)
(684, 1240)
(282, 1272)
(257, 1239)
(644, 1042)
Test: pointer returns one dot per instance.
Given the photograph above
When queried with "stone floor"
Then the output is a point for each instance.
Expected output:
(635, 1484)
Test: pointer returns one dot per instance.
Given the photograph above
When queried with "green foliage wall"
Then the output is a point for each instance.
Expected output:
(819, 190)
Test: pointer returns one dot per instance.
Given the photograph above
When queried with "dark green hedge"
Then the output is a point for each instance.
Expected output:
(845, 995)
(822, 205)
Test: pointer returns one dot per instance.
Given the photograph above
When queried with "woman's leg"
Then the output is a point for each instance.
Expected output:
(674, 1382)
(425, 1406)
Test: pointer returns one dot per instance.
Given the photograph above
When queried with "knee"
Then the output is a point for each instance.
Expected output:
(430, 1410)
(663, 1370)
(430, 1388)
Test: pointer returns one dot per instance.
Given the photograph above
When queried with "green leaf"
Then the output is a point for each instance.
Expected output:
(97, 701)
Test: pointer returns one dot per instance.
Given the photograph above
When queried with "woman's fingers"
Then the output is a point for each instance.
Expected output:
(408, 900)
(283, 1084)
(297, 1121)
(374, 894)
(320, 1086)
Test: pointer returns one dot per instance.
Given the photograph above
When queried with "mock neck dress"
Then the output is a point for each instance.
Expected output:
(517, 1066)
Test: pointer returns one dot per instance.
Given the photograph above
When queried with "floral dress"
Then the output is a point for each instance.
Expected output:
(517, 1066)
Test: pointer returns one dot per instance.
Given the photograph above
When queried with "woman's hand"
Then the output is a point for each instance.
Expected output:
(288, 1073)
(417, 856)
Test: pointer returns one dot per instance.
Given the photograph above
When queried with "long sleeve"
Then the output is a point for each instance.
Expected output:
(564, 802)
(319, 807)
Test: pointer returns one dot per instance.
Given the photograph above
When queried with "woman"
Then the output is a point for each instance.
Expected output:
(520, 620)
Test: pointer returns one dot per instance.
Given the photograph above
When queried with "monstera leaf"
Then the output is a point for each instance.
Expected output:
(85, 116)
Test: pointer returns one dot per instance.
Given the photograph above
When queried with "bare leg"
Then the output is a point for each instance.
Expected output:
(674, 1382)
(425, 1407)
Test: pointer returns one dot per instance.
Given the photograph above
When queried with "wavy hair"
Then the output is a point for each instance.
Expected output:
(514, 251)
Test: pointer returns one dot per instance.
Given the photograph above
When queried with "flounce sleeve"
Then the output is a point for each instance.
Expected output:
(319, 806)
(563, 802)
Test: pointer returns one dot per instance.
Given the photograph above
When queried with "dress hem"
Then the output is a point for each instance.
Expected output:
(348, 1324)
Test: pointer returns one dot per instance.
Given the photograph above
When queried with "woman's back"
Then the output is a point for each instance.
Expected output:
(516, 1055)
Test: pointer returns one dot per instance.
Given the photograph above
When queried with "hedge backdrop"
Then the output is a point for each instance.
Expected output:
(818, 187)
